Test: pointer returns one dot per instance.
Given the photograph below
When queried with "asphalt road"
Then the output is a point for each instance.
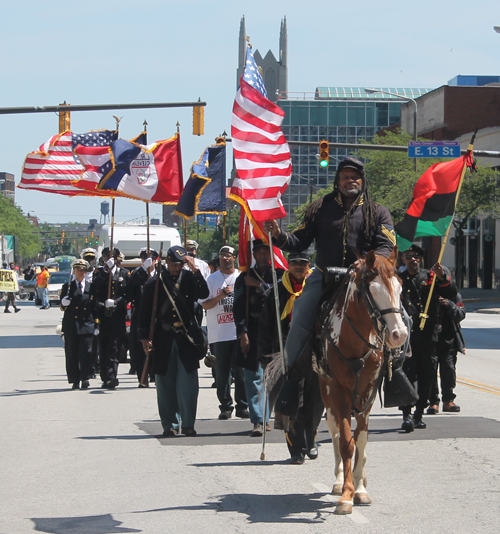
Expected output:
(91, 462)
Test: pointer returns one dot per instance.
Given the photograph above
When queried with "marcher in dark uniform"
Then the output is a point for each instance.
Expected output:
(29, 272)
(450, 341)
(344, 223)
(112, 314)
(421, 366)
(134, 295)
(79, 326)
(176, 361)
(89, 255)
(252, 285)
(301, 438)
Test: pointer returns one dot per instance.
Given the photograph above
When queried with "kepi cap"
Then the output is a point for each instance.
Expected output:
(258, 243)
(143, 253)
(89, 252)
(300, 256)
(190, 243)
(176, 254)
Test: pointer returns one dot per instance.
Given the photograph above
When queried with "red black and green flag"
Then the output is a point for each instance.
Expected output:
(433, 204)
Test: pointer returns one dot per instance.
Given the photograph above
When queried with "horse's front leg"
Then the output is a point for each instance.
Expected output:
(359, 474)
(344, 504)
(339, 468)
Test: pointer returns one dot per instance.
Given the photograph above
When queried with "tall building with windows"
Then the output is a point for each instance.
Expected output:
(338, 115)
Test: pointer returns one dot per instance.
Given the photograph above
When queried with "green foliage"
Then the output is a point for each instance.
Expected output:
(210, 239)
(13, 222)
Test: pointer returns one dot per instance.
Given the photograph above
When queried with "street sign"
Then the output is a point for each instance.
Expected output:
(434, 149)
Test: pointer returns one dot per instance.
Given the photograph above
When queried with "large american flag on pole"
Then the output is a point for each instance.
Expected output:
(53, 167)
(261, 153)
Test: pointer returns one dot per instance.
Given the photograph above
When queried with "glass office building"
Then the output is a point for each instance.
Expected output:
(339, 115)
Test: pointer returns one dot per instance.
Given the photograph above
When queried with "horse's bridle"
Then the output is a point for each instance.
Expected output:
(378, 321)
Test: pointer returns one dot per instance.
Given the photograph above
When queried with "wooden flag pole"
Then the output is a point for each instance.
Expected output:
(423, 316)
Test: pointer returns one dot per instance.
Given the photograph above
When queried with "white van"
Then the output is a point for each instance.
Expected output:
(130, 238)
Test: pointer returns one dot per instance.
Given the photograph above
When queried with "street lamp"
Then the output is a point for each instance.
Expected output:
(403, 97)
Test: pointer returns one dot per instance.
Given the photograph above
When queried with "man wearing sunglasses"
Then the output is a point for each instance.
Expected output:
(421, 366)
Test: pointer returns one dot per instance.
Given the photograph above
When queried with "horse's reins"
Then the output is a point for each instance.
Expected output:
(356, 365)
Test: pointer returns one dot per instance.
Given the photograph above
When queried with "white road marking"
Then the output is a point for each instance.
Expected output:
(355, 517)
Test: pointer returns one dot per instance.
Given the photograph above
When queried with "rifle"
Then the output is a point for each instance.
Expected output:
(144, 378)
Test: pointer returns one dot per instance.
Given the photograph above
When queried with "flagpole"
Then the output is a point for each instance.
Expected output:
(184, 231)
(147, 227)
(111, 244)
(277, 303)
(423, 316)
(224, 236)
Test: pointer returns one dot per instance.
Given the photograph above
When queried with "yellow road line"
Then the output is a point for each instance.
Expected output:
(479, 386)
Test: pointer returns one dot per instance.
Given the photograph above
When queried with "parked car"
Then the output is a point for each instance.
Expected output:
(56, 282)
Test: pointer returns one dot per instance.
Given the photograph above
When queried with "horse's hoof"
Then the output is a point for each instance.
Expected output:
(362, 499)
(337, 489)
(343, 508)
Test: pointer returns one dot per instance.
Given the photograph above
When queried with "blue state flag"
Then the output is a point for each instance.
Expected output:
(205, 191)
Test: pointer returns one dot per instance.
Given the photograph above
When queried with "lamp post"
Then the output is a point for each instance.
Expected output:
(371, 91)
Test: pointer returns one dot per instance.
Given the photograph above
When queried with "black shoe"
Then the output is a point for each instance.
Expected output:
(85, 384)
(7, 311)
(297, 459)
(76, 385)
(18, 310)
(113, 383)
(243, 414)
(170, 433)
(143, 385)
(287, 402)
(223, 416)
(419, 423)
(104, 385)
(313, 452)
(408, 425)
(189, 432)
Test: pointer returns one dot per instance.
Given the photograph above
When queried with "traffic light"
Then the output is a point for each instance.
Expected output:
(324, 154)
(198, 120)
(92, 234)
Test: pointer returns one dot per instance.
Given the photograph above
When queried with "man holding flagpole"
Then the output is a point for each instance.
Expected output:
(344, 223)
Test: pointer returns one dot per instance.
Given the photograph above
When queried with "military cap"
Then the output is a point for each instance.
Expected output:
(80, 264)
(89, 252)
(176, 253)
(300, 256)
(415, 248)
(258, 243)
(190, 243)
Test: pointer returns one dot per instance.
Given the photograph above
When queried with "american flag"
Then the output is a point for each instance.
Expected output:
(53, 167)
(261, 153)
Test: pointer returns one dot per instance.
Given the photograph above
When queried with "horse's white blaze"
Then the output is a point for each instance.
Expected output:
(396, 329)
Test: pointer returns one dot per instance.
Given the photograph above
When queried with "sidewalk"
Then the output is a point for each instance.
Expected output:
(481, 300)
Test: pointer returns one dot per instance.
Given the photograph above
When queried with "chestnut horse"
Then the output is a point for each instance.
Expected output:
(365, 318)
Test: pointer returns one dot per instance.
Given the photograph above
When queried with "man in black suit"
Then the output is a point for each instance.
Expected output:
(79, 326)
(108, 286)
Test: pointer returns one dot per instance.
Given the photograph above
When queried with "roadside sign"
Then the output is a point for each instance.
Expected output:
(434, 149)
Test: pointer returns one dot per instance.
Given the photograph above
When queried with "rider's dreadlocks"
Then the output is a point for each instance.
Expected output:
(369, 207)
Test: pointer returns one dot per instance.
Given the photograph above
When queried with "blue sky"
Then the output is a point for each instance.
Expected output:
(118, 51)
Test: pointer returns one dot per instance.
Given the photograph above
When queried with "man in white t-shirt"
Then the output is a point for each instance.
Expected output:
(222, 335)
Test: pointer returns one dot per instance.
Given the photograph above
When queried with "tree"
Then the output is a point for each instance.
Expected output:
(13, 222)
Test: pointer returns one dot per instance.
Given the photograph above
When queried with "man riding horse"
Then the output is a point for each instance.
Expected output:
(345, 224)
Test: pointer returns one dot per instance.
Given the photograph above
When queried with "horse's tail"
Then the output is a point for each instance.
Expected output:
(273, 375)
